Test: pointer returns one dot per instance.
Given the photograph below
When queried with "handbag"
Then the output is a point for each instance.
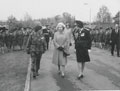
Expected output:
(65, 53)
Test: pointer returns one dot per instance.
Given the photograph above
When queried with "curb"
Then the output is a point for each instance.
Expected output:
(28, 77)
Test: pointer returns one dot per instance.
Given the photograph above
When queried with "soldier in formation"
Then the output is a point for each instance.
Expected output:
(9, 40)
(107, 38)
(46, 32)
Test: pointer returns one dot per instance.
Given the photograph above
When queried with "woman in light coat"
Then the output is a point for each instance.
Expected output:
(60, 46)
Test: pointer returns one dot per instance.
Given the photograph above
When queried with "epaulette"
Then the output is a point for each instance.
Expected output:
(86, 29)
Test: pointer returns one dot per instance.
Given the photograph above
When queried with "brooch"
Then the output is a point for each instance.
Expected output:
(83, 34)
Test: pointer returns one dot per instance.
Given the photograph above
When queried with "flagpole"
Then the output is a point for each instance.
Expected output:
(89, 14)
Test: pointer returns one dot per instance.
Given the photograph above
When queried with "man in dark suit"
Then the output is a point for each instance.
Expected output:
(115, 40)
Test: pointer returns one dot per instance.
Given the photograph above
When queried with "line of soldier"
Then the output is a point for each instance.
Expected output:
(10, 40)
(107, 39)
(101, 37)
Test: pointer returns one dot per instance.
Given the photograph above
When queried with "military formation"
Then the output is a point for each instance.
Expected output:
(16, 40)
(101, 37)
(12, 41)
(36, 41)
(108, 38)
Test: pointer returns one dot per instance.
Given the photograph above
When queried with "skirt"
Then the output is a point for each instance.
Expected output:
(82, 55)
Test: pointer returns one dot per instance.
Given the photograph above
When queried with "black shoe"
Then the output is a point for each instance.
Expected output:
(112, 54)
(59, 72)
(34, 77)
(37, 74)
(62, 75)
(118, 55)
(79, 77)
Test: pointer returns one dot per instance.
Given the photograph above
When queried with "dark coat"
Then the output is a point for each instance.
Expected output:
(114, 36)
(82, 44)
(83, 40)
(119, 38)
(46, 34)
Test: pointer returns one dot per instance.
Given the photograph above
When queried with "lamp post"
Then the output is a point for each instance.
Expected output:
(89, 14)
(119, 18)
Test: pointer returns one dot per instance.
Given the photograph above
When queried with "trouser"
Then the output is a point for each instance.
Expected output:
(47, 41)
(47, 44)
(36, 57)
(113, 47)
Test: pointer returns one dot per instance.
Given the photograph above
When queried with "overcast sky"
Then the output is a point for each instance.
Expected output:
(48, 8)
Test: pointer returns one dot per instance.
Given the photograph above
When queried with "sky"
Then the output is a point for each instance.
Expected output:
(84, 10)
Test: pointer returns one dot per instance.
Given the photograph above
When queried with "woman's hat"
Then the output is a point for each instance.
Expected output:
(60, 24)
(38, 27)
(79, 23)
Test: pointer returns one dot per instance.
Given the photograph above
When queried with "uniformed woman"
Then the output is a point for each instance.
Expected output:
(82, 45)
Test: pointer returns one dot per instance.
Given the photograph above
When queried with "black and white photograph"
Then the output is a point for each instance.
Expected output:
(59, 45)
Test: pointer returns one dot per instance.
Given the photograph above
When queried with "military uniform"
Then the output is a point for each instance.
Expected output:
(1, 40)
(36, 47)
(7, 41)
(14, 39)
(20, 39)
(82, 44)
(26, 35)
(46, 35)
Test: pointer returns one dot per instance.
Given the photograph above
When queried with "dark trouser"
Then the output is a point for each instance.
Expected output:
(36, 57)
(38, 61)
(47, 42)
(113, 47)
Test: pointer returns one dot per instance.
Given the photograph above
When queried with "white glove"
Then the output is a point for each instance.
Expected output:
(89, 50)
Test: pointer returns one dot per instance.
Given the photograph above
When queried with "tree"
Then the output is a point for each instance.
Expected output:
(117, 18)
(43, 21)
(104, 16)
(57, 18)
(68, 18)
(12, 23)
(28, 22)
(53, 21)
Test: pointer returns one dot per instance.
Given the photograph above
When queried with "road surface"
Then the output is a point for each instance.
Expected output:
(102, 73)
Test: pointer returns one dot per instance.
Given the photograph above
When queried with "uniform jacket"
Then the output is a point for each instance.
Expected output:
(46, 34)
(83, 40)
(36, 42)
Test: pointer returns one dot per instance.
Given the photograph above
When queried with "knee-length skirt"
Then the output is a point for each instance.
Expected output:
(82, 55)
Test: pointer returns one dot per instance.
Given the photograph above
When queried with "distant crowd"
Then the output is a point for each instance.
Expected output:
(17, 39)
(101, 37)
(11, 41)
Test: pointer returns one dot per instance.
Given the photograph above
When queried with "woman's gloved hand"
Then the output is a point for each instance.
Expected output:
(60, 48)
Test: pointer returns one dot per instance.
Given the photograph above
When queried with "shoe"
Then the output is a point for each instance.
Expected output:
(118, 55)
(37, 74)
(62, 75)
(34, 77)
(112, 54)
(59, 72)
(79, 77)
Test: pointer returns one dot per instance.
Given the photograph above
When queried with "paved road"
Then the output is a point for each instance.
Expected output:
(102, 73)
